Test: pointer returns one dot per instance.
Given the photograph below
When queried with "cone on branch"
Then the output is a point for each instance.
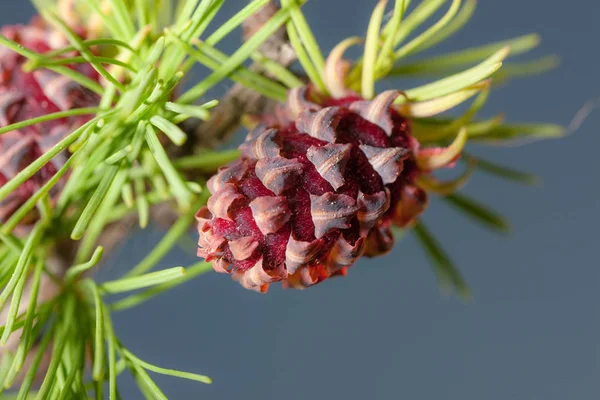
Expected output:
(318, 186)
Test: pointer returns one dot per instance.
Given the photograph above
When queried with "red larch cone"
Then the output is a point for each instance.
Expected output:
(318, 186)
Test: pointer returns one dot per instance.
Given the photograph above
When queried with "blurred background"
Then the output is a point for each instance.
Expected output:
(532, 330)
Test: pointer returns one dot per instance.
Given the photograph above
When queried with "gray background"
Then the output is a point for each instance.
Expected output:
(385, 332)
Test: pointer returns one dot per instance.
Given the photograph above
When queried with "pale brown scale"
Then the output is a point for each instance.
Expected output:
(413, 201)
(270, 213)
(256, 132)
(387, 162)
(321, 124)
(232, 173)
(204, 218)
(202, 250)
(371, 208)
(302, 279)
(13, 148)
(278, 174)
(242, 248)
(9, 105)
(212, 246)
(220, 202)
(377, 111)
(64, 92)
(297, 102)
(262, 146)
(331, 211)
(379, 241)
(204, 243)
(344, 254)
(298, 253)
(330, 161)
(257, 278)
(221, 266)
(237, 275)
